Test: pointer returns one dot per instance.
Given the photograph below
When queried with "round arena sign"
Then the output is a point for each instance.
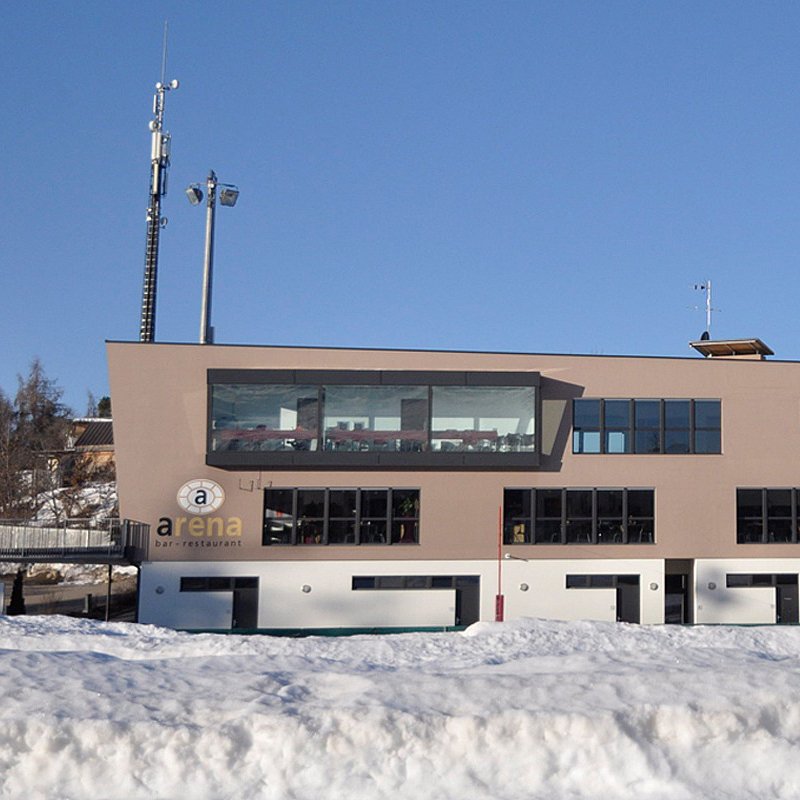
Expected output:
(201, 496)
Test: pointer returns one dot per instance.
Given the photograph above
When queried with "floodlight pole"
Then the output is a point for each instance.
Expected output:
(206, 331)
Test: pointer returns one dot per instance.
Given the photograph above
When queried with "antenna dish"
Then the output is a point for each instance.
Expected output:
(174, 84)
(705, 336)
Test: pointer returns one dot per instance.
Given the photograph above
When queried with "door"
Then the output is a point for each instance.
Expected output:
(245, 604)
(676, 599)
(628, 598)
(786, 603)
(468, 599)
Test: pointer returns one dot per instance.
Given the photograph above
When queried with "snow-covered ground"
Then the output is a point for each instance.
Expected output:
(530, 709)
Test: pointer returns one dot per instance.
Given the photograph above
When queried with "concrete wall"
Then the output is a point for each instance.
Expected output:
(744, 605)
(332, 603)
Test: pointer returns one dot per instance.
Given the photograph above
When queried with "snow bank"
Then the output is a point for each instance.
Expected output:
(531, 709)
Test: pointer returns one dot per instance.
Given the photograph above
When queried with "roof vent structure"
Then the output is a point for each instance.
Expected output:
(732, 348)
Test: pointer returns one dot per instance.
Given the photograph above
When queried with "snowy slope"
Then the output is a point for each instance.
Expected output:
(518, 710)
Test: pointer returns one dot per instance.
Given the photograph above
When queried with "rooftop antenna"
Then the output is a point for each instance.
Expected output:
(159, 162)
(706, 287)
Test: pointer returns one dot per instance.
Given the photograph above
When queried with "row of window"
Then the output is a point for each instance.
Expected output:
(347, 418)
(325, 516)
(578, 516)
(341, 516)
(646, 426)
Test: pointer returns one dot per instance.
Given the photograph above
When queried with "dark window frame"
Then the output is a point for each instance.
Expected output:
(389, 520)
(631, 432)
(427, 459)
(600, 580)
(632, 529)
(755, 528)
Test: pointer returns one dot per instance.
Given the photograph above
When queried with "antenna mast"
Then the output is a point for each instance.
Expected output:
(159, 162)
(706, 287)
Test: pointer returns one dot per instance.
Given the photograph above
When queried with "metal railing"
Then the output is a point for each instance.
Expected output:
(78, 541)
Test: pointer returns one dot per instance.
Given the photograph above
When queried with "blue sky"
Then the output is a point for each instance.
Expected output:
(515, 176)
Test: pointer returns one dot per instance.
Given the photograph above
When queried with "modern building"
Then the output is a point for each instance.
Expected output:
(342, 489)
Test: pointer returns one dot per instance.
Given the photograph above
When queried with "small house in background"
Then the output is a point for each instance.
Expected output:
(89, 451)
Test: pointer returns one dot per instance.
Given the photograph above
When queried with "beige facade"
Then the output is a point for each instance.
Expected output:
(160, 397)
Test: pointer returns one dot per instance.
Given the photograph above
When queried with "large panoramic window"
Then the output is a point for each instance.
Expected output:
(299, 516)
(248, 417)
(403, 419)
(578, 516)
(494, 419)
(367, 418)
(646, 426)
(766, 516)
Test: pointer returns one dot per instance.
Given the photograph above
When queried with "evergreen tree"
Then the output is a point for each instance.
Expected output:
(35, 423)
(42, 420)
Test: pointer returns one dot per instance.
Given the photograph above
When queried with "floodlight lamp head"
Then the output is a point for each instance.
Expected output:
(228, 196)
(195, 195)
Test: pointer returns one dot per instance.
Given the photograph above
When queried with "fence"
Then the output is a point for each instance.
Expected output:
(77, 541)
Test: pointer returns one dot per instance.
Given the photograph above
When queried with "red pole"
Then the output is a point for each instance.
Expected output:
(499, 600)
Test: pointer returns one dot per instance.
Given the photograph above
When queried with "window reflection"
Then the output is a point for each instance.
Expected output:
(366, 418)
(494, 419)
(247, 417)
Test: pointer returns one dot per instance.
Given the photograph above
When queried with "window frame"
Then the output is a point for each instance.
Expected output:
(390, 520)
(748, 525)
(632, 529)
(631, 434)
(426, 459)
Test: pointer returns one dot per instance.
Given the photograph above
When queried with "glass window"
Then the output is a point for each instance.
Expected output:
(483, 419)
(548, 516)
(707, 414)
(641, 516)
(278, 516)
(517, 516)
(586, 426)
(677, 425)
(405, 514)
(374, 516)
(248, 417)
(586, 414)
(617, 419)
(779, 515)
(749, 515)
(579, 516)
(341, 516)
(610, 516)
(647, 424)
(708, 426)
(383, 418)
(578, 582)
(310, 516)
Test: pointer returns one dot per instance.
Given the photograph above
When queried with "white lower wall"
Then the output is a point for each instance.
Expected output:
(745, 605)
(332, 603)
(548, 597)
